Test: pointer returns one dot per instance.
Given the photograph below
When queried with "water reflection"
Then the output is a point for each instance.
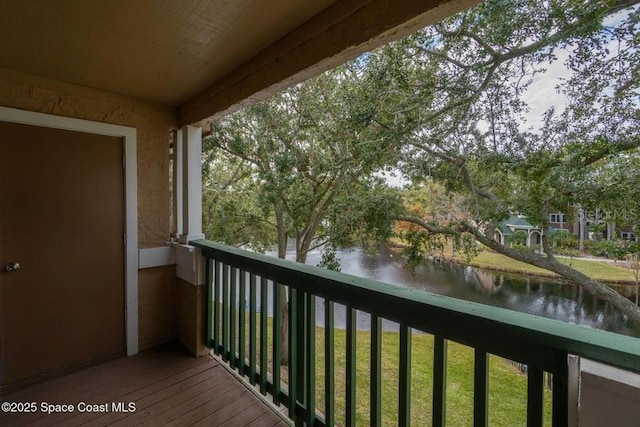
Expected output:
(541, 297)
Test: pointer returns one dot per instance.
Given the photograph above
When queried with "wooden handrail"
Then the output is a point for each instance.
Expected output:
(243, 284)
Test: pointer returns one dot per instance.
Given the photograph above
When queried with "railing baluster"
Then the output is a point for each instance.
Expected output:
(207, 280)
(351, 367)
(216, 308)
(329, 363)
(225, 312)
(536, 343)
(376, 372)
(301, 354)
(233, 281)
(253, 308)
(535, 379)
(404, 395)
(277, 341)
(560, 387)
(264, 308)
(293, 353)
(439, 414)
(480, 388)
(311, 358)
(242, 323)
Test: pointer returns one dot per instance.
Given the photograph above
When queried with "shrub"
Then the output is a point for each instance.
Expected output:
(564, 239)
(519, 238)
(521, 247)
(597, 247)
(607, 248)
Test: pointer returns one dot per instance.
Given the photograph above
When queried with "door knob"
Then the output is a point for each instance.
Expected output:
(12, 266)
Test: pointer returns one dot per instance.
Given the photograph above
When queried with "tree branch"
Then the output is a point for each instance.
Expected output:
(462, 164)
(551, 264)
(474, 37)
(446, 58)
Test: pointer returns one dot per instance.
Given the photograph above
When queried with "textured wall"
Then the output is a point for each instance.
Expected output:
(157, 306)
(609, 400)
(191, 308)
(157, 288)
(153, 124)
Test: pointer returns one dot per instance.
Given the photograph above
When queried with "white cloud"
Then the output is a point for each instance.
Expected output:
(542, 94)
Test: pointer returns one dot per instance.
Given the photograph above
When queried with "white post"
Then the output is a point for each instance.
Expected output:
(611, 229)
(582, 225)
(191, 184)
(189, 265)
(176, 156)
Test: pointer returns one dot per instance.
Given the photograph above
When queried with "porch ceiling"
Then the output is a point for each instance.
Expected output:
(163, 51)
(190, 53)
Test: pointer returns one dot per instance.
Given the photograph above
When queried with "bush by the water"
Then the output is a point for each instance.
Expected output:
(614, 249)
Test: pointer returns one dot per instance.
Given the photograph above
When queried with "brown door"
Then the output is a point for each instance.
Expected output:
(62, 220)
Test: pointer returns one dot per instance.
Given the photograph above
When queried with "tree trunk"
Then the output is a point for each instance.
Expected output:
(582, 225)
(594, 287)
(284, 305)
(547, 262)
(301, 256)
(284, 327)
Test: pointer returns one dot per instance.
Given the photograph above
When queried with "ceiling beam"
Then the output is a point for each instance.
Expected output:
(343, 31)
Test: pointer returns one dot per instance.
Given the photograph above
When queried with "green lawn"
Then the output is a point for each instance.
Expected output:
(507, 386)
(598, 270)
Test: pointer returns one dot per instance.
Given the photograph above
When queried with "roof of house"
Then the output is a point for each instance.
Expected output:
(518, 221)
(514, 223)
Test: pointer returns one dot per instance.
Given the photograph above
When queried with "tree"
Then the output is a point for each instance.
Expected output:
(232, 214)
(312, 152)
(449, 103)
(309, 147)
(456, 95)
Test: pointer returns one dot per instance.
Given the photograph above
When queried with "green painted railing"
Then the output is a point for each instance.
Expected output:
(241, 294)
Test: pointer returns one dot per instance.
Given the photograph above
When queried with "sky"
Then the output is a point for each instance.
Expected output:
(540, 96)
(542, 93)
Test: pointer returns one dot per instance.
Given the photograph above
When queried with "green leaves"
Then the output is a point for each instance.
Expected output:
(313, 151)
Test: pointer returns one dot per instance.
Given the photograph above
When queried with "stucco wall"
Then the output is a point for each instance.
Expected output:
(191, 309)
(157, 288)
(157, 306)
(608, 396)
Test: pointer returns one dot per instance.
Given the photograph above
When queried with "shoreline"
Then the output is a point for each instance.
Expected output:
(515, 271)
(549, 275)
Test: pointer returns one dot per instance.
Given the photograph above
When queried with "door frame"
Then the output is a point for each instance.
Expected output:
(130, 203)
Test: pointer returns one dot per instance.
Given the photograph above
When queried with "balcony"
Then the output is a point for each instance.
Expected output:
(356, 348)
(244, 327)
(165, 384)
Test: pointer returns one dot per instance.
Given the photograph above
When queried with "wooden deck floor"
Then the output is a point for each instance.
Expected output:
(167, 387)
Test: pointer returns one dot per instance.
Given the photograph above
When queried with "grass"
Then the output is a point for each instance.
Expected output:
(603, 271)
(598, 270)
(507, 385)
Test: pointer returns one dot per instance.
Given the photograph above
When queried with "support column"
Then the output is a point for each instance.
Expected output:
(189, 260)
(176, 157)
(191, 184)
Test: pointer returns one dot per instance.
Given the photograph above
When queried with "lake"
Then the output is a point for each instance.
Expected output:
(538, 296)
